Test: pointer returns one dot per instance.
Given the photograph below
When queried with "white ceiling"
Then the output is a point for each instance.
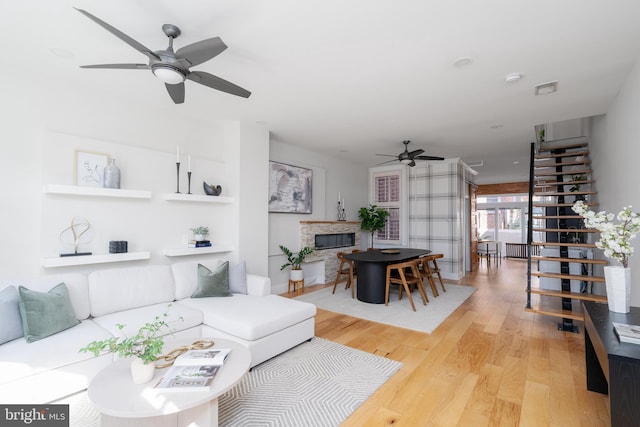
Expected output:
(354, 78)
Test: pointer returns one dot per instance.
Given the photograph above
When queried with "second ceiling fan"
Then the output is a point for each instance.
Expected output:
(409, 157)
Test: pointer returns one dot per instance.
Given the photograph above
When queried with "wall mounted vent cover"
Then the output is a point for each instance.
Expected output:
(546, 88)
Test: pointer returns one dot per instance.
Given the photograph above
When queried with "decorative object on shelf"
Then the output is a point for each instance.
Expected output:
(76, 239)
(342, 216)
(614, 241)
(112, 175)
(372, 219)
(89, 168)
(118, 246)
(290, 188)
(199, 244)
(294, 260)
(177, 169)
(145, 347)
(211, 190)
(189, 174)
(199, 233)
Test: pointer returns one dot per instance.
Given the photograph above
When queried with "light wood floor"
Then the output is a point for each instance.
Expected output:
(488, 364)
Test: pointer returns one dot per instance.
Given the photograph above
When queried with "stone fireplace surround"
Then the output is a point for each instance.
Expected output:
(308, 231)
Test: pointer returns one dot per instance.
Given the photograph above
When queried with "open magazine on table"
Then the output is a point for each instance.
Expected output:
(194, 370)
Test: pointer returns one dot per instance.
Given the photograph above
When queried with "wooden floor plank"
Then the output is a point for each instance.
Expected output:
(490, 363)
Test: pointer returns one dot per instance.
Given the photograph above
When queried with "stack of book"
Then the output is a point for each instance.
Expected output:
(627, 333)
(199, 243)
(194, 370)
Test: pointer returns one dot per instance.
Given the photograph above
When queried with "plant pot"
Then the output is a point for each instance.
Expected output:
(198, 237)
(618, 281)
(142, 373)
(296, 275)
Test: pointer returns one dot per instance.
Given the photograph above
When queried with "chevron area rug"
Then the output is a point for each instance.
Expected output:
(318, 383)
(397, 313)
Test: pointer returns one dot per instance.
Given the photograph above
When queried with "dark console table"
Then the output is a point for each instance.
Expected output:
(372, 270)
(613, 367)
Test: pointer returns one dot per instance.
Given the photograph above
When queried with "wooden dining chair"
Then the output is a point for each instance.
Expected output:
(430, 271)
(406, 276)
(347, 268)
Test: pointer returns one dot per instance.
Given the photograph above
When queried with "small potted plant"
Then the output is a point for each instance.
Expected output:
(200, 233)
(372, 219)
(294, 260)
(144, 347)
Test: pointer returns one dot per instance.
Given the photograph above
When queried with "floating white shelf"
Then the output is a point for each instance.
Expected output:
(76, 190)
(181, 197)
(196, 251)
(68, 261)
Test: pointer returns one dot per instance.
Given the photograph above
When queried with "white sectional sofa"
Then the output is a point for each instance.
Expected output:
(52, 367)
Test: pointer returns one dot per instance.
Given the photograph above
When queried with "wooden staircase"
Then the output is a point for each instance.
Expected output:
(558, 176)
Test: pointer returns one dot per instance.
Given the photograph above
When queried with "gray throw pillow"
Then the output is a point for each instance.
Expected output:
(46, 313)
(10, 315)
(213, 283)
(238, 278)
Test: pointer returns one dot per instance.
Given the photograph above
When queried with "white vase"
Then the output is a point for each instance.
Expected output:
(618, 281)
(198, 237)
(296, 275)
(142, 373)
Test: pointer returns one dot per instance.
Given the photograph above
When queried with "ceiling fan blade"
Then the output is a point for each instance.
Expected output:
(119, 66)
(122, 36)
(388, 155)
(215, 82)
(412, 164)
(428, 158)
(176, 92)
(202, 51)
(416, 152)
(388, 161)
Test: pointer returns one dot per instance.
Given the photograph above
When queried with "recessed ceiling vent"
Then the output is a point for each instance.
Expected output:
(546, 88)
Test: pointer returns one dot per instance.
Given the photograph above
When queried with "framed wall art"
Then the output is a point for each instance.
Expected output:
(290, 188)
(89, 168)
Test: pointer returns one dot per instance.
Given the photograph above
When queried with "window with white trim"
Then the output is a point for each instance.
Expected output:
(387, 195)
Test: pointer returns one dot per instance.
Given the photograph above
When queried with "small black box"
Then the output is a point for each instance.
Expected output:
(118, 247)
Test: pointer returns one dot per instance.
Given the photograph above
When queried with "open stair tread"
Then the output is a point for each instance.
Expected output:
(543, 165)
(564, 144)
(566, 154)
(571, 295)
(557, 217)
(573, 260)
(580, 172)
(556, 183)
(566, 193)
(555, 312)
(566, 230)
(572, 245)
(598, 279)
(550, 205)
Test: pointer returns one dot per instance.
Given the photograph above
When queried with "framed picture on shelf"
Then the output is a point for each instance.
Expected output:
(290, 188)
(89, 168)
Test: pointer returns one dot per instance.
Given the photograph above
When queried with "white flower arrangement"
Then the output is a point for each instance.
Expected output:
(614, 236)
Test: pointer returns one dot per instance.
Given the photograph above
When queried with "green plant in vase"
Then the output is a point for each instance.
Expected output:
(372, 219)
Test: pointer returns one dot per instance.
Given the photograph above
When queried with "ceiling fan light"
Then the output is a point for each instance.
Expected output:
(168, 74)
(406, 161)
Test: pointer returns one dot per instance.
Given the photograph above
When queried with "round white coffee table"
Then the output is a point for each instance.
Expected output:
(123, 403)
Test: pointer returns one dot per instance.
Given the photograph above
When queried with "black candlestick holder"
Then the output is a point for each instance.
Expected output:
(189, 182)
(342, 216)
(177, 177)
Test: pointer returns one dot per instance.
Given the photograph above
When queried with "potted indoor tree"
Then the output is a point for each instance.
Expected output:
(294, 260)
(145, 347)
(372, 219)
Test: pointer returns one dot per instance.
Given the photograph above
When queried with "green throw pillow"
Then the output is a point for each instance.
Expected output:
(46, 313)
(213, 283)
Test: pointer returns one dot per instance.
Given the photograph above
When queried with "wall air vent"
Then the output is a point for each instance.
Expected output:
(546, 88)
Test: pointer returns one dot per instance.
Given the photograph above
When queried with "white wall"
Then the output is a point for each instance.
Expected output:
(44, 123)
(614, 151)
(330, 176)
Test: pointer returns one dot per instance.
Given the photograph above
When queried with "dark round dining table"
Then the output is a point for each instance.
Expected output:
(372, 270)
